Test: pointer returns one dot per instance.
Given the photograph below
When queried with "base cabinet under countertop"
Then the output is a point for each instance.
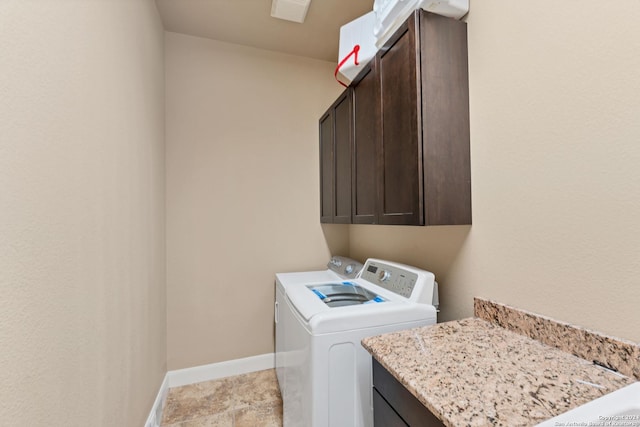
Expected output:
(395, 406)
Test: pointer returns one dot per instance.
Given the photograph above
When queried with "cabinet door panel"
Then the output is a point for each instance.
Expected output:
(405, 404)
(326, 167)
(400, 183)
(383, 413)
(366, 107)
(343, 135)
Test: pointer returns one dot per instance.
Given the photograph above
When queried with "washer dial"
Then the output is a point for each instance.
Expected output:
(384, 275)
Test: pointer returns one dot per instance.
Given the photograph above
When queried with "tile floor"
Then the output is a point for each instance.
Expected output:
(248, 400)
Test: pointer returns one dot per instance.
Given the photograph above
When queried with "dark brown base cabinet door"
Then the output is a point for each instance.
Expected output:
(335, 161)
(391, 397)
(383, 414)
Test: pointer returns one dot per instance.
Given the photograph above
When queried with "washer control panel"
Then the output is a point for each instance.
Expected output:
(345, 267)
(390, 277)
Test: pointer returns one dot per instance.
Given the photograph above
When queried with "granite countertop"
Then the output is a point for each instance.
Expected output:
(473, 372)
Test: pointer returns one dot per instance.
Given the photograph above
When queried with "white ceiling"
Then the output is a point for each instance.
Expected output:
(249, 23)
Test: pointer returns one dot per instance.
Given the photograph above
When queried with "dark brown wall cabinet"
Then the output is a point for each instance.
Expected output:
(408, 132)
(395, 406)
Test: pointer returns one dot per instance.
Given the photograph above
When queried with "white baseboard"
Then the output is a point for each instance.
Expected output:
(202, 373)
(155, 416)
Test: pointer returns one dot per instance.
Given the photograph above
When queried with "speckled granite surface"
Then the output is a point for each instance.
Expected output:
(621, 355)
(475, 373)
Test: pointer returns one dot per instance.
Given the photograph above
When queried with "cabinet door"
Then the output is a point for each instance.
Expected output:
(410, 410)
(335, 161)
(326, 167)
(383, 414)
(400, 179)
(366, 117)
(342, 160)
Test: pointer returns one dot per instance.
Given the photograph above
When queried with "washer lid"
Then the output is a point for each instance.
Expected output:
(305, 301)
(333, 297)
(305, 277)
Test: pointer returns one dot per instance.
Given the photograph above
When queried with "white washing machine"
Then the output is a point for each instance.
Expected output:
(338, 269)
(323, 371)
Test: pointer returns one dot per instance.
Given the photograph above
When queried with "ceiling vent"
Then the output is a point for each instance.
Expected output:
(290, 10)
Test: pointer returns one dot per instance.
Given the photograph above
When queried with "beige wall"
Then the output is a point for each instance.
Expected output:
(555, 144)
(82, 312)
(242, 198)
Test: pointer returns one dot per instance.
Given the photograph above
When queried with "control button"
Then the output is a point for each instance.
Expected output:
(349, 269)
(384, 275)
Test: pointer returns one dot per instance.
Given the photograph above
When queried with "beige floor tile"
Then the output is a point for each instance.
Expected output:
(257, 389)
(198, 400)
(262, 416)
(224, 419)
